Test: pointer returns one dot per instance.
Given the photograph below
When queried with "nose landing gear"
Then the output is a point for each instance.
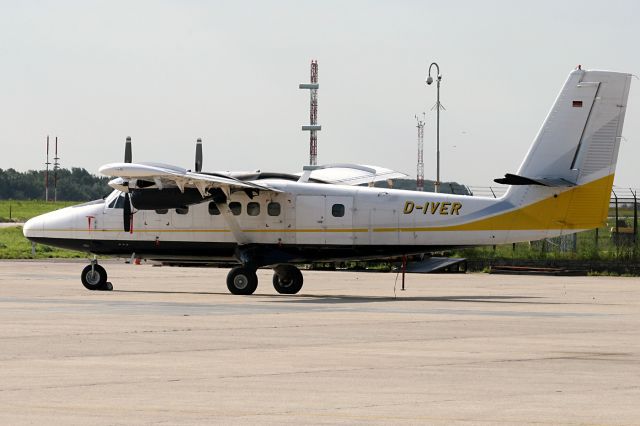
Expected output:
(94, 277)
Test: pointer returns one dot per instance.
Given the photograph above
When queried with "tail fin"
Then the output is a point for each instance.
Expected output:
(576, 149)
(580, 137)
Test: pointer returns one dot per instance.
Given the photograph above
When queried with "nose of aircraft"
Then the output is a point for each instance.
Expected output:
(33, 227)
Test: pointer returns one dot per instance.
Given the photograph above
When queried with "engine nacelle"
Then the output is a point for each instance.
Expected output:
(167, 198)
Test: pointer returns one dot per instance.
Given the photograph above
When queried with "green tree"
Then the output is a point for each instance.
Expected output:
(76, 184)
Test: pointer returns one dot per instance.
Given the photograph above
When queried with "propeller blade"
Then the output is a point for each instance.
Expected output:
(127, 150)
(198, 155)
(126, 213)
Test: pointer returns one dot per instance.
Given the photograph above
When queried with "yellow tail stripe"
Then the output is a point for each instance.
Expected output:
(557, 212)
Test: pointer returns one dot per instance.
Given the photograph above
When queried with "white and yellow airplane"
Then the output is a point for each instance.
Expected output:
(164, 213)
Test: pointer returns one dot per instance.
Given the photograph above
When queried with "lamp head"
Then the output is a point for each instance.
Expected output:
(429, 80)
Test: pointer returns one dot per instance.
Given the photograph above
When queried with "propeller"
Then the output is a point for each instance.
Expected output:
(126, 211)
(127, 150)
(198, 155)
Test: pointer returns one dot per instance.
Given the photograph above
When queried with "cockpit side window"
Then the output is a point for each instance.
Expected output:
(116, 202)
(111, 200)
(120, 202)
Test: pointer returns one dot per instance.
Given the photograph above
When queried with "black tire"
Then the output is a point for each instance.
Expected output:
(287, 279)
(242, 281)
(94, 278)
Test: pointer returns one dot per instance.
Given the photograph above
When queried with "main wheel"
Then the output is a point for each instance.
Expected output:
(94, 278)
(287, 279)
(242, 280)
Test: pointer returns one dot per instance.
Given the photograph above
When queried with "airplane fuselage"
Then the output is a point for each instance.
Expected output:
(305, 222)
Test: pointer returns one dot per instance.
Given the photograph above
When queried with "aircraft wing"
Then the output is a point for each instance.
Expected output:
(164, 175)
(350, 174)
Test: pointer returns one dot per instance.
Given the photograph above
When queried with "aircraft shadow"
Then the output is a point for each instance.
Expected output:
(337, 299)
(209, 293)
(345, 299)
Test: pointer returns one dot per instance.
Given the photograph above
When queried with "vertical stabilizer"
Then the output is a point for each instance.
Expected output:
(579, 140)
(570, 166)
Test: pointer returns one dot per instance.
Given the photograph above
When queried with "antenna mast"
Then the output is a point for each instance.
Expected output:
(420, 173)
(313, 126)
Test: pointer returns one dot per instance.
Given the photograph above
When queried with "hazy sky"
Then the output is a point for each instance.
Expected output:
(168, 72)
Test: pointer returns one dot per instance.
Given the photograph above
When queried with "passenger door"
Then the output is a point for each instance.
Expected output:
(310, 217)
(156, 221)
(339, 220)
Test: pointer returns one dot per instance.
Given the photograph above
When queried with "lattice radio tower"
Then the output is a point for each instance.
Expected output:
(56, 167)
(46, 174)
(313, 126)
(420, 173)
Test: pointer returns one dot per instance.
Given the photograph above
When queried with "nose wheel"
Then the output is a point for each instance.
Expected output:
(94, 277)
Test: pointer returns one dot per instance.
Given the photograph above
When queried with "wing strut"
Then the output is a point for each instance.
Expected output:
(220, 198)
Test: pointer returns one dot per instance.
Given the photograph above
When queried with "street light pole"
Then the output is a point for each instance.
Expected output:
(438, 106)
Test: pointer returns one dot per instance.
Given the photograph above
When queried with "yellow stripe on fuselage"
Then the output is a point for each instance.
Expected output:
(581, 207)
(159, 231)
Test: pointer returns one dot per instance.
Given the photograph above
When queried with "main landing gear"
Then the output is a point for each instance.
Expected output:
(287, 279)
(94, 277)
(242, 280)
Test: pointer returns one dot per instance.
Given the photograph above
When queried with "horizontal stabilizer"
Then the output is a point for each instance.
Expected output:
(511, 179)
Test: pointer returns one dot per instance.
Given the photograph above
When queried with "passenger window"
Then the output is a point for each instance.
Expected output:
(253, 209)
(273, 209)
(213, 209)
(337, 210)
(182, 210)
(162, 211)
(236, 208)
